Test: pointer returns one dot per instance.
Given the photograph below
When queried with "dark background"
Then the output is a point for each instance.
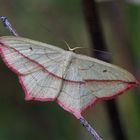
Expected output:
(53, 21)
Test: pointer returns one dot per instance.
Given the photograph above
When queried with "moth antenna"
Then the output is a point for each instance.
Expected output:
(105, 52)
(69, 48)
(93, 50)
(73, 49)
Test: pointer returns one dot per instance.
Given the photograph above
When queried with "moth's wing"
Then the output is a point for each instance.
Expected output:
(38, 65)
(89, 79)
(40, 85)
(25, 56)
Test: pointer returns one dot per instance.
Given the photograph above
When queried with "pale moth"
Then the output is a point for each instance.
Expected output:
(49, 73)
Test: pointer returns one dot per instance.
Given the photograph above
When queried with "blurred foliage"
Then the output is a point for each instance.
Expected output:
(53, 21)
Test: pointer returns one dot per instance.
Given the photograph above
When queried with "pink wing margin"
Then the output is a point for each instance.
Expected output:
(75, 112)
(93, 102)
(21, 81)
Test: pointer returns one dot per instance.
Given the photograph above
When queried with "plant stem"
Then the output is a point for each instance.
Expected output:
(8, 25)
(89, 128)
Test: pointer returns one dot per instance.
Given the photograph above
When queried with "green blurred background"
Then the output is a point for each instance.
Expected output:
(53, 21)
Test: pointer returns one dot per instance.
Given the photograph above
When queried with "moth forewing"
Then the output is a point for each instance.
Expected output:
(105, 69)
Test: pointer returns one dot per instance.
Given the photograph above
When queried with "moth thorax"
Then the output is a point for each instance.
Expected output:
(69, 54)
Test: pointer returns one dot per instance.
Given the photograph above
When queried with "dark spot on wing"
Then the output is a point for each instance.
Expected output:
(31, 48)
(1, 44)
(104, 70)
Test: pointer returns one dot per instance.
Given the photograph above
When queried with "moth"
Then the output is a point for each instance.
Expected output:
(49, 73)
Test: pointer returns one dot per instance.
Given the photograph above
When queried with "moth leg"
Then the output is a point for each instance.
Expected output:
(8, 25)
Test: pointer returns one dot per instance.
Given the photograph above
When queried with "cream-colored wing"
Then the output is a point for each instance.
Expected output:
(41, 86)
(39, 66)
(89, 79)
(25, 56)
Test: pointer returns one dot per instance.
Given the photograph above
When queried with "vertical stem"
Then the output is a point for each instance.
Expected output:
(94, 26)
(89, 128)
